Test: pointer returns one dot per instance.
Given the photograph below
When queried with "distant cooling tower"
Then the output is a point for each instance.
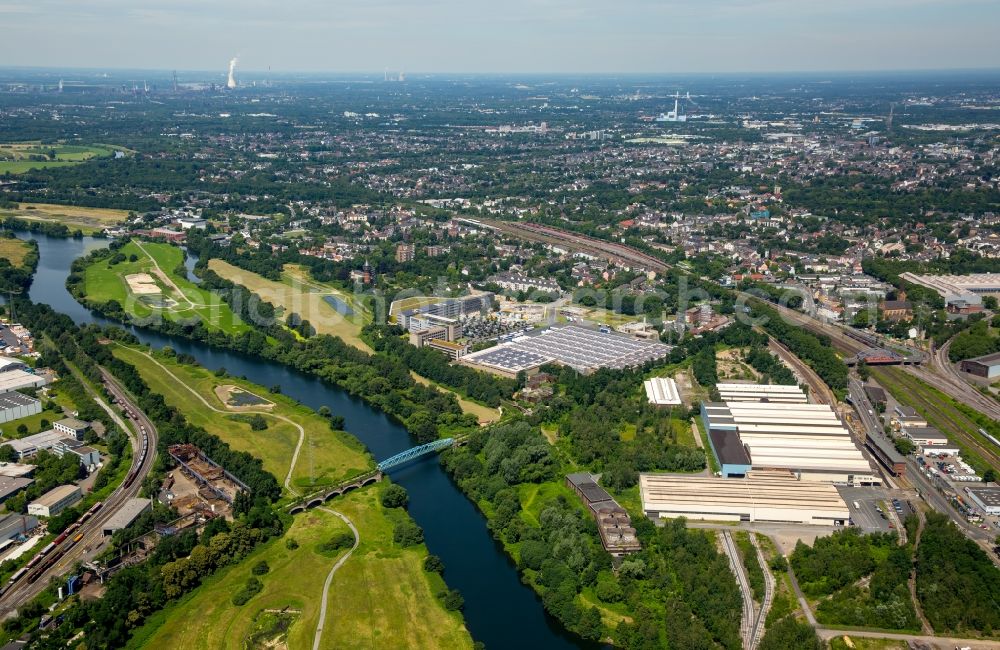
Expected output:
(231, 82)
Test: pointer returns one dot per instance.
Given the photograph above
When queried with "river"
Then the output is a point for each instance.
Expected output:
(499, 610)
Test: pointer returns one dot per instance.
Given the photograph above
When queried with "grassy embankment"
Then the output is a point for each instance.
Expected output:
(179, 299)
(305, 297)
(380, 598)
(957, 421)
(326, 457)
(87, 220)
(14, 251)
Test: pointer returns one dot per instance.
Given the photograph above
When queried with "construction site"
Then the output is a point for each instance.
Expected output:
(199, 483)
(199, 490)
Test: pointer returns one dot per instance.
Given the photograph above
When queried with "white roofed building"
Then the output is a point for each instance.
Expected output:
(662, 391)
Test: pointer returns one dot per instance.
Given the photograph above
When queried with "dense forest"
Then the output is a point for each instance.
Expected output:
(678, 589)
(958, 585)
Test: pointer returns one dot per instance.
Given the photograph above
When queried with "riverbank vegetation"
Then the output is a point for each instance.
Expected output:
(333, 455)
(18, 261)
(383, 381)
(145, 283)
(227, 554)
(381, 593)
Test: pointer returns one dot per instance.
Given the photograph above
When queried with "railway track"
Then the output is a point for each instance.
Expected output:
(959, 429)
(747, 622)
(86, 534)
(769, 588)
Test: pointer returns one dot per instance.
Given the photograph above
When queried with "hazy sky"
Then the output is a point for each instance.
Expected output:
(504, 35)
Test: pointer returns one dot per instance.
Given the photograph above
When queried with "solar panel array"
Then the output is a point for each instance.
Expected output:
(509, 358)
(577, 347)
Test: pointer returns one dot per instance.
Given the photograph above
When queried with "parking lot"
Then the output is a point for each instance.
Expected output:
(867, 516)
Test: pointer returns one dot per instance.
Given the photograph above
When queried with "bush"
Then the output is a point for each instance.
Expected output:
(291, 544)
(453, 600)
(257, 422)
(249, 590)
(260, 568)
(433, 564)
(341, 540)
(395, 496)
(609, 590)
(406, 533)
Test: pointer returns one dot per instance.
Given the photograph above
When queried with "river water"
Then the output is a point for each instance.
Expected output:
(499, 610)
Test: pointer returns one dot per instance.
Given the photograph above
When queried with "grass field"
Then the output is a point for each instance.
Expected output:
(14, 251)
(306, 300)
(297, 293)
(184, 301)
(19, 157)
(326, 457)
(88, 220)
(380, 598)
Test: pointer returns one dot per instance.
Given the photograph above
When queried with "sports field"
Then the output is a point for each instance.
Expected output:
(325, 457)
(14, 251)
(179, 299)
(380, 598)
(88, 220)
(296, 294)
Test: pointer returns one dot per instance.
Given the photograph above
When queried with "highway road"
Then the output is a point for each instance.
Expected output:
(69, 553)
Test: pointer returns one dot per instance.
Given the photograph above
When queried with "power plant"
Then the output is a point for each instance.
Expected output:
(231, 82)
(674, 115)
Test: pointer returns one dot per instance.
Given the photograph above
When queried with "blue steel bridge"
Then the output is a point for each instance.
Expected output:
(361, 480)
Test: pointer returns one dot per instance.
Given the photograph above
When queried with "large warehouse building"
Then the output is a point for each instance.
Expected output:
(968, 289)
(807, 440)
(581, 348)
(758, 497)
(761, 393)
(987, 366)
(14, 406)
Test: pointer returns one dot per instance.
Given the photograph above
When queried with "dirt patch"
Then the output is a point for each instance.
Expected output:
(732, 367)
(142, 284)
(237, 399)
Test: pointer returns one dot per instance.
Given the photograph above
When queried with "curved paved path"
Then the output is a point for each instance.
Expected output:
(302, 432)
(329, 577)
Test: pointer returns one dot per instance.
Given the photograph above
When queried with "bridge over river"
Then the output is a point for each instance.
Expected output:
(374, 476)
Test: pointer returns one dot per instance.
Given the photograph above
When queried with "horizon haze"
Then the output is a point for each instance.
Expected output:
(553, 36)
